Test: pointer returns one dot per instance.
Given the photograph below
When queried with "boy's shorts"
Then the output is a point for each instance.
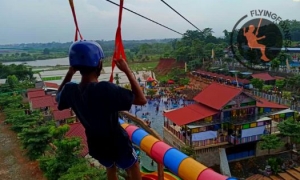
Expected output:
(123, 162)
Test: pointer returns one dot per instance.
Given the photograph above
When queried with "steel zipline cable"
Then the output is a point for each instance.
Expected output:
(181, 15)
(146, 18)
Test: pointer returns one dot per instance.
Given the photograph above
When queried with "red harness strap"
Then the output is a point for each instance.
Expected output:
(119, 48)
(77, 31)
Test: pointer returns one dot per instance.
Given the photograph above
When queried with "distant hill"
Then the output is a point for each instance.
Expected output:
(66, 45)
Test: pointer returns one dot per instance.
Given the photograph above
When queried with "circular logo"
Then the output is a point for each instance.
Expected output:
(256, 42)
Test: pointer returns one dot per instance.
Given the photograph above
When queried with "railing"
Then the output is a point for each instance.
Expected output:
(236, 140)
(209, 142)
(272, 98)
(174, 132)
(202, 143)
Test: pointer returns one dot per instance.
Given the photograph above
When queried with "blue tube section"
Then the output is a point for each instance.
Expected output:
(121, 121)
(137, 136)
(172, 160)
(232, 178)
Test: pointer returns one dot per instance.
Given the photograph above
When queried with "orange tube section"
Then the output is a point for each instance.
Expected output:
(147, 143)
(190, 169)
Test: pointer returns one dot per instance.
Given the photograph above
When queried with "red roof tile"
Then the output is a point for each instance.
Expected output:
(217, 95)
(51, 85)
(77, 130)
(189, 114)
(36, 93)
(263, 76)
(60, 115)
(167, 64)
(34, 89)
(267, 104)
(54, 107)
(244, 81)
(42, 102)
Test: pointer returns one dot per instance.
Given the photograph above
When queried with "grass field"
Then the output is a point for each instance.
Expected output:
(51, 78)
(135, 66)
(143, 65)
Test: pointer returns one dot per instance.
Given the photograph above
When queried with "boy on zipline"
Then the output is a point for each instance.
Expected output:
(96, 104)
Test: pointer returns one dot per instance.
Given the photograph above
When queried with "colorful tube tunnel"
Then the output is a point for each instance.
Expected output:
(178, 163)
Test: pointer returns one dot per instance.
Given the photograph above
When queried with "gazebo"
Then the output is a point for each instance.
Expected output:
(150, 82)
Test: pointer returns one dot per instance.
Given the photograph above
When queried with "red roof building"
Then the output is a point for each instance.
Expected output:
(222, 115)
(34, 89)
(35, 93)
(189, 114)
(263, 103)
(61, 115)
(222, 76)
(217, 95)
(77, 130)
(263, 76)
(41, 102)
(51, 85)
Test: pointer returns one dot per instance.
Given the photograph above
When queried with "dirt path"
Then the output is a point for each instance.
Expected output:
(13, 163)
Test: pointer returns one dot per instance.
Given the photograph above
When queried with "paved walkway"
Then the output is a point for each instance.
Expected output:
(13, 162)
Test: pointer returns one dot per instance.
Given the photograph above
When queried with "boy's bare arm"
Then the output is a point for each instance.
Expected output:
(139, 98)
(68, 78)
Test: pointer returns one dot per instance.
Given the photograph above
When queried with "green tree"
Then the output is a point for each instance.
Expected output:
(275, 164)
(24, 121)
(257, 83)
(59, 132)
(267, 87)
(184, 81)
(12, 82)
(10, 101)
(66, 156)
(270, 142)
(190, 151)
(290, 128)
(275, 64)
(117, 78)
(83, 171)
(280, 83)
(46, 51)
(35, 140)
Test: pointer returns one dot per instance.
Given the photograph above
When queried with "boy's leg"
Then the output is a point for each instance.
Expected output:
(129, 162)
(111, 169)
(112, 173)
(134, 172)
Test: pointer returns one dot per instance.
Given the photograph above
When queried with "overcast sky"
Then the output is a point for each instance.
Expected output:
(25, 21)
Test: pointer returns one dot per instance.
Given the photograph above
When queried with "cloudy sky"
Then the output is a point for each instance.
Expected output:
(25, 21)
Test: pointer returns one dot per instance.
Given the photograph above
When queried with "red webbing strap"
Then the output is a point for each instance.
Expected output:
(119, 48)
(77, 31)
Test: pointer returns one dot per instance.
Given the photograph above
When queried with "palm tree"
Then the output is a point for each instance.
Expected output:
(117, 78)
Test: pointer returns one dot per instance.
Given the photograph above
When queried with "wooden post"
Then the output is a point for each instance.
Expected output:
(160, 171)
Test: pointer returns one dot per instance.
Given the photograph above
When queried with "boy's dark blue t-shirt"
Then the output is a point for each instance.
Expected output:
(97, 105)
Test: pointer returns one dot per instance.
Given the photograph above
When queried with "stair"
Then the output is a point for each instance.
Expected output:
(293, 173)
(259, 177)
(224, 166)
(275, 178)
(286, 176)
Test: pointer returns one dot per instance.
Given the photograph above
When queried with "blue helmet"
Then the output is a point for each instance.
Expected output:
(85, 53)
